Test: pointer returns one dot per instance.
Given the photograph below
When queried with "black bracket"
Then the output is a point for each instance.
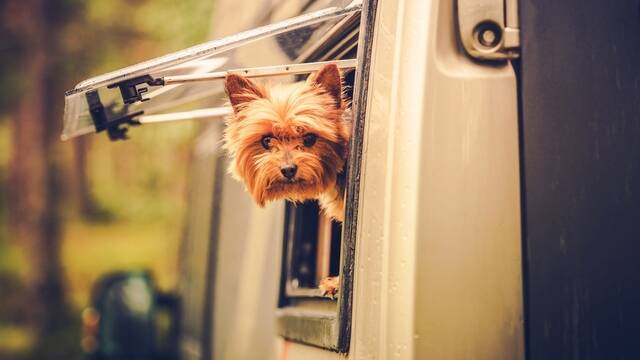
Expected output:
(117, 124)
(131, 92)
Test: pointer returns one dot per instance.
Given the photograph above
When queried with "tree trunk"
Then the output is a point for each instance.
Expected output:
(83, 198)
(33, 168)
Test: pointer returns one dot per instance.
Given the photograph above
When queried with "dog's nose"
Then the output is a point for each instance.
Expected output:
(289, 171)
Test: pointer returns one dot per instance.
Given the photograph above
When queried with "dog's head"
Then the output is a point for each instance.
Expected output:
(287, 141)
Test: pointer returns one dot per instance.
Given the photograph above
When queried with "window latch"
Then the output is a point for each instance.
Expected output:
(489, 29)
(115, 123)
(132, 92)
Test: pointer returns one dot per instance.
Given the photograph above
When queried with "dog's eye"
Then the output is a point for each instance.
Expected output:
(309, 140)
(266, 141)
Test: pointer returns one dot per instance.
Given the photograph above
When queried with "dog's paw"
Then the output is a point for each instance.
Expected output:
(330, 286)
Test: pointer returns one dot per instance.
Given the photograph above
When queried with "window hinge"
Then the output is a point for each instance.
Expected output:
(489, 29)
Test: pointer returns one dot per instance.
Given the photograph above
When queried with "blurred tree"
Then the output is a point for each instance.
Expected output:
(40, 56)
(34, 165)
(45, 47)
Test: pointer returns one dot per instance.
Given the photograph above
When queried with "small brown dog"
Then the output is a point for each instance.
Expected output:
(290, 141)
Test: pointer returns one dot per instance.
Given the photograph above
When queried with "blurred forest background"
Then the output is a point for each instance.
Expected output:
(71, 211)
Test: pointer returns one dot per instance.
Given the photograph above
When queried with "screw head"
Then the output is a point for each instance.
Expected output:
(487, 35)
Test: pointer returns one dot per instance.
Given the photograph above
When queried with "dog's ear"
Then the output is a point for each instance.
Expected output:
(330, 80)
(241, 90)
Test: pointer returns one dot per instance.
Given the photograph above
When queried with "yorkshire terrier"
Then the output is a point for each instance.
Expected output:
(290, 141)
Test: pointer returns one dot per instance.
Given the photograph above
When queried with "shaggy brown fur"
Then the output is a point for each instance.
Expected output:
(290, 141)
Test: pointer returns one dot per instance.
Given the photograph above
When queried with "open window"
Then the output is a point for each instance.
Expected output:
(186, 85)
(139, 94)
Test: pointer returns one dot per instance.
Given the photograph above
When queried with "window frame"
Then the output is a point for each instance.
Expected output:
(322, 322)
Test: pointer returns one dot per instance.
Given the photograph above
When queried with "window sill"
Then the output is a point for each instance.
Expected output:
(309, 326)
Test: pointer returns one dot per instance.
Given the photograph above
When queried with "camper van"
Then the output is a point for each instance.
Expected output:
(492, 184)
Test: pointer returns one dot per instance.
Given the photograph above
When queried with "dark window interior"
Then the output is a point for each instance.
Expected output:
(313, 247)
(304, 245)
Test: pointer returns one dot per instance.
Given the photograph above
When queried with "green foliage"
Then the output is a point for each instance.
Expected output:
(142, 30)
(142, 181)
(144, 177)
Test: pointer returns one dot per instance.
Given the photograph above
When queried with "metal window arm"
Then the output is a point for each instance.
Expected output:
(132, 90)
(116, 123)
(277, 70)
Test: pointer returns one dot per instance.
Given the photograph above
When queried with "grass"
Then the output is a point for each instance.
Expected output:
(91, 250)
(15, 339)
(12, 260)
